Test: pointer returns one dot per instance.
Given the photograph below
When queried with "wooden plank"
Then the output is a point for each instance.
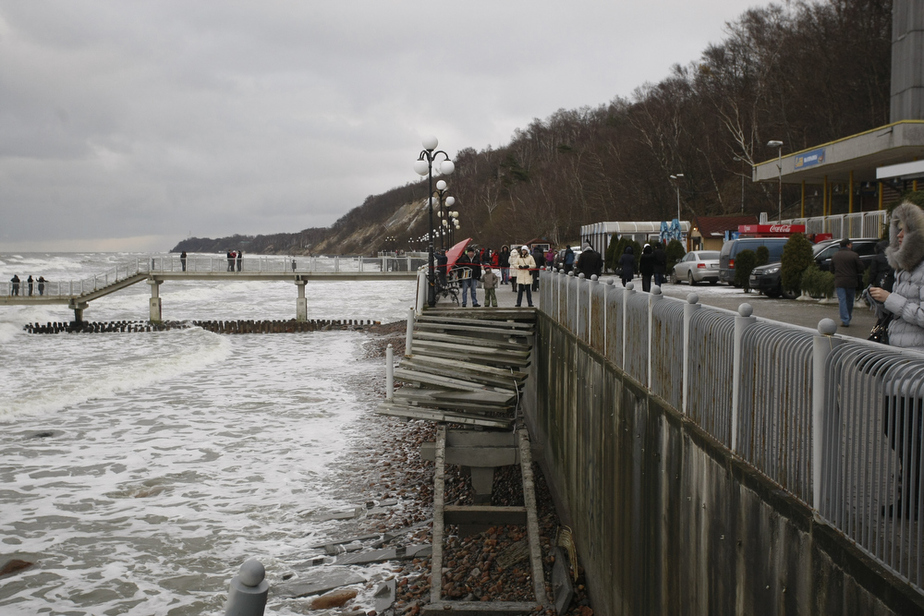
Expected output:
(484, 514)
(459, 371)
(449, 400)
(427, 318)
(469, 366)
(493, 343)
(442, 416)
(415, 376)
(493, 359)
(439, 497)
(474, 456)
(532, 524)
(498, 330)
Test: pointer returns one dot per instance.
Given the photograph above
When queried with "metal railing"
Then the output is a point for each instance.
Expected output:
(211, 264)
(834, 421)
(858, 224)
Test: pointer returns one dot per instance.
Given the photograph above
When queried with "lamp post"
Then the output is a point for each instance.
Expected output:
(779, 166)
(424, 166)
(741, 160)
(441, 189)
(676, 178)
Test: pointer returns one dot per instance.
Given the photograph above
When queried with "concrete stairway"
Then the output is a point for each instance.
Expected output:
(465, 367)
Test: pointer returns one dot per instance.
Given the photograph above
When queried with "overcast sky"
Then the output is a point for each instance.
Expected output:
(132, 125)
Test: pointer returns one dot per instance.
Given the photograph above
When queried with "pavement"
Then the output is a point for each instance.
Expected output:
(793, 311)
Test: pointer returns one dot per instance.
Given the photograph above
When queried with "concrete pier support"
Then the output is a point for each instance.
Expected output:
(78, 309)
(301, 304)
(156, 307)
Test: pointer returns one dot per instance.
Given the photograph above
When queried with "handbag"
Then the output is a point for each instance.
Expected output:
(880, 331)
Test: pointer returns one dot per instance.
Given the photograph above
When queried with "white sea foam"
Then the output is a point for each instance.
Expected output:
(141, 470)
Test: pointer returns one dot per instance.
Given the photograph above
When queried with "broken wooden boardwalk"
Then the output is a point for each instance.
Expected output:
(465, 367)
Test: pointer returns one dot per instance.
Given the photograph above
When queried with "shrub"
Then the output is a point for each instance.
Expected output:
(745, 263)
(817, 283)
(763, 255)
(612, 256)
(797, 257)
(675, 252)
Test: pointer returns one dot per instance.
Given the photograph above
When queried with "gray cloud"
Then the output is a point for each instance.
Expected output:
(126, 126)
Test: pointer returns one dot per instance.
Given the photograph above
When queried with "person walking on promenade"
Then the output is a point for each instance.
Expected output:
(523, 264)
(503, 260)
(489, 281)
(646, 265)
(589, 263)
(848, 269)
(30, 282)
(469, 281)
(240, 257)
(514, 255)
(906, 330)
(41, 285)
(539, 258)
(660, 268)
(627, 266)
(183, 260)
(569, 259)
(14, 285)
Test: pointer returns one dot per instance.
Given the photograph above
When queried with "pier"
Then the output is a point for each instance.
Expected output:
(156, 270)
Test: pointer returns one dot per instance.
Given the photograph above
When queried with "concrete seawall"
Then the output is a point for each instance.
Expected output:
(667, 520)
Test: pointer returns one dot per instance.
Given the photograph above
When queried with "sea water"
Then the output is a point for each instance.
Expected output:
(139, 470)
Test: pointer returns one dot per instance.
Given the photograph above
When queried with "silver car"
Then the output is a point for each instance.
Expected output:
(697, 266)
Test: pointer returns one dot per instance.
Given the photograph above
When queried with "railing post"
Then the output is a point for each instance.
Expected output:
(822, 345)
(627, 291)
(301, 303)
(578, 313)
(653, 296)
(389, 372)
(410, 332)
(689, 309)
(742, 322)
(249, 588)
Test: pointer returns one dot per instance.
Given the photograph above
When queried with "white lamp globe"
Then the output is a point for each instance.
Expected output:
(430, 142)
(441, 185)
(422, 167)
(450, 201)
(447, 167)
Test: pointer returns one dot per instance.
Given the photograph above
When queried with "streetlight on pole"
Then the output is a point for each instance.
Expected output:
(741, 160)
(779, 166)
(424, 166)
(442, 188)
(676, 177)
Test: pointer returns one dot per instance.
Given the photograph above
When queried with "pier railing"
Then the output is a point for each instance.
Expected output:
(834, 421)
(210, 264)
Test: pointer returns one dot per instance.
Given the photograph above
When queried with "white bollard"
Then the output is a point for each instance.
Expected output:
(410, 332)
(249, 589)
(389, 372)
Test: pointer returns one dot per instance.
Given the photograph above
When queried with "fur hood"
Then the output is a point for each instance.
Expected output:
(911, 253)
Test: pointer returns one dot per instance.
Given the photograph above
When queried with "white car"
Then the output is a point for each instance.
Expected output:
(697, 266)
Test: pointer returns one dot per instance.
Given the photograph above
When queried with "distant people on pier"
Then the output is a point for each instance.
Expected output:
(14, 285)
(627, 266)
(240, 256)
(183, 260)
(503, 259)
(41, 285)
(489, 281)
(523, 264)
(231, 257)
(30, 282)
(469, 283)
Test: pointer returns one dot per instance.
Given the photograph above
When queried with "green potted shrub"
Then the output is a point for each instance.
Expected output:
(745, 263)
(796, 259)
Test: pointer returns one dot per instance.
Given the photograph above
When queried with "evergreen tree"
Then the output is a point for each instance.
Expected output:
(797, 257)
(745, 262)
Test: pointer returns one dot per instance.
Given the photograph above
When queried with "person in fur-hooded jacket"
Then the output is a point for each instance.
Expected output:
(906, 255)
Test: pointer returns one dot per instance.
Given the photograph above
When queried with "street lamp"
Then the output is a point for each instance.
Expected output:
(441, 189)
(424, 166)
(779, 165)
(741, 160)
(676, 178)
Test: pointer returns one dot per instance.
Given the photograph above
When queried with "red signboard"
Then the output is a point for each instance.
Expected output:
(769, 230)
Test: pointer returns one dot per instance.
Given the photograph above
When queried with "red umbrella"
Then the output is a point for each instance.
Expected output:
(453, 254)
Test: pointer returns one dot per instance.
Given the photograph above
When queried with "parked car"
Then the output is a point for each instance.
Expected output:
(731, 249)
(697, 266)
(768, 278)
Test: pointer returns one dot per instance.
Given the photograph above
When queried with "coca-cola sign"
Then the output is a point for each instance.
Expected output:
(770, 229)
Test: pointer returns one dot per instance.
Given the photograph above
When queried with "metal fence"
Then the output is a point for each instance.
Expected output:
(834, 421)
(859, 224)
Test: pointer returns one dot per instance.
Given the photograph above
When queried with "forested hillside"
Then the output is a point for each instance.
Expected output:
(804, 73)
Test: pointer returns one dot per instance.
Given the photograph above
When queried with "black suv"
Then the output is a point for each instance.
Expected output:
(767, 278)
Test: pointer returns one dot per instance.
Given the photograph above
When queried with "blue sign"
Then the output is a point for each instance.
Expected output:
(810, 159)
